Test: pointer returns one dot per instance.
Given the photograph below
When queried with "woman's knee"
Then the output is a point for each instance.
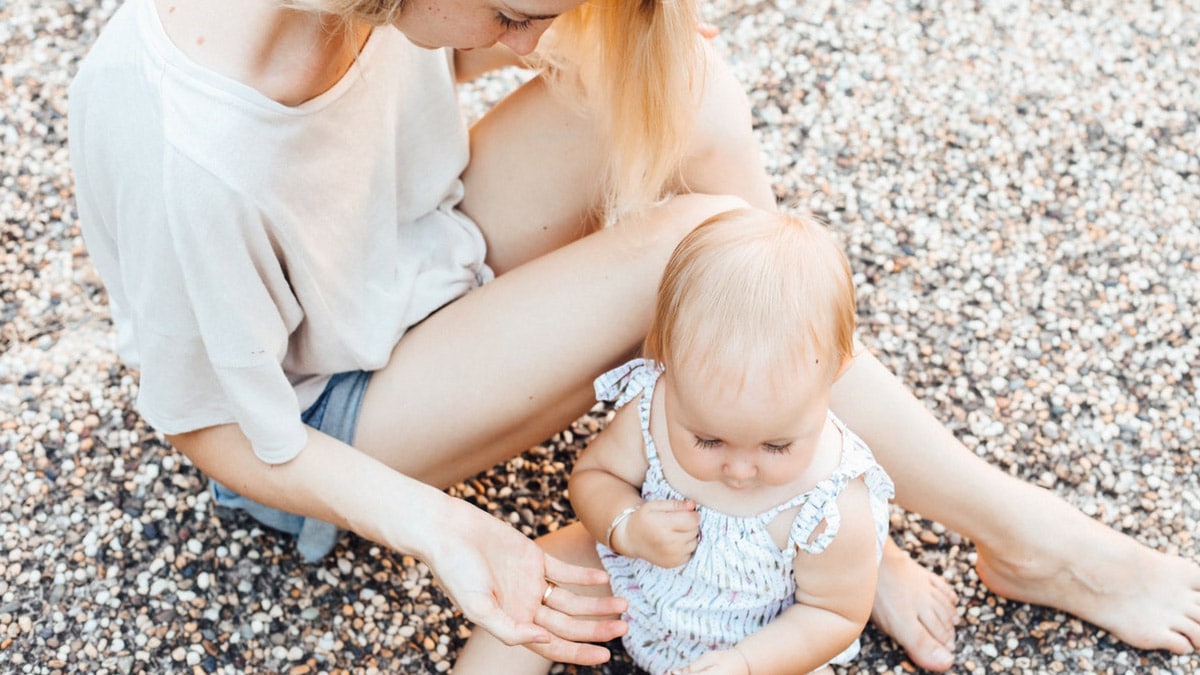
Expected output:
(649, 237)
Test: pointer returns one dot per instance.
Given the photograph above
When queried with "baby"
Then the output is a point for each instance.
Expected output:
(741, 520)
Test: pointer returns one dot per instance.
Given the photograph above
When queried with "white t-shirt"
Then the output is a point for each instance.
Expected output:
(252, 249)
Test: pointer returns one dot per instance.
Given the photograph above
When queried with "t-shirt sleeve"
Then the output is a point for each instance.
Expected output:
(213, 317)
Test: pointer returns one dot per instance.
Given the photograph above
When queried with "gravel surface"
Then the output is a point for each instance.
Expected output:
(1018, 184)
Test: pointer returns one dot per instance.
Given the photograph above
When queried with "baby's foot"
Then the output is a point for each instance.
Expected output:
(916, 608)
(1145, 598)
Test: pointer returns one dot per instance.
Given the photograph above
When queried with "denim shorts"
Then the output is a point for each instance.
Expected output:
(335, 413)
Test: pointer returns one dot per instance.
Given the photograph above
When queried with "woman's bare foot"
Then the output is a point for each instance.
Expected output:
(916, 608)
(1145, 598)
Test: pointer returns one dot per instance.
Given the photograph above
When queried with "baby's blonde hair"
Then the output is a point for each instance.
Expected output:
(751, 287)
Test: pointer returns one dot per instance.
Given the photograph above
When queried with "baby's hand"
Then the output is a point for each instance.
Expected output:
(663, 532)
(725, 662)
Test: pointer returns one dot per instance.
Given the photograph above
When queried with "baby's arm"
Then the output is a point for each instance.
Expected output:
(607, 481)
(834, 593)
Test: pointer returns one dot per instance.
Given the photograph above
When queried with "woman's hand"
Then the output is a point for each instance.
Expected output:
(664, 532)
(499, 578)
(496, 575)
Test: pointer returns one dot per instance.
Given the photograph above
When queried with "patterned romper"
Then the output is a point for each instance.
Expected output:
(738, 579)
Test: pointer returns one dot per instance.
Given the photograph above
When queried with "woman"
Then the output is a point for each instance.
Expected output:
(271, 193)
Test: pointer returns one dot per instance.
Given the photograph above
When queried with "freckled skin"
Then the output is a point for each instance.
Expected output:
(474, 24)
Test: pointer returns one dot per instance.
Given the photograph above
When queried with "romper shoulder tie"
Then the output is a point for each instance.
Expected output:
(820, 507)
(621, 384)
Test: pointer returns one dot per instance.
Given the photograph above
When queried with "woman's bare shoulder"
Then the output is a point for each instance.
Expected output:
(288, 55)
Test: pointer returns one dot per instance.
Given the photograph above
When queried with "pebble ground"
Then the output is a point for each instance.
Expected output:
(1018, 184)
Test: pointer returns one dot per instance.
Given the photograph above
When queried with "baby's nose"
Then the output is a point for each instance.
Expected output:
(740, 469)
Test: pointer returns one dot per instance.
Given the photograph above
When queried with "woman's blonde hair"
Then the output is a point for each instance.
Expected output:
(639, 63)
(636, 64)
(752, 287)
(374, 12)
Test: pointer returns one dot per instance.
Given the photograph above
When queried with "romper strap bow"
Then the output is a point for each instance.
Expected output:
(821, 507)
(621, 384)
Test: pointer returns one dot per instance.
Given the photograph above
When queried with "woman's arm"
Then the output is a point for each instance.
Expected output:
(313, 484)
(492, 572)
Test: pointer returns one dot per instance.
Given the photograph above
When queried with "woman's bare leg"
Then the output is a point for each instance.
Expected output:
(512, 363)
(531, 186)
(1032, 546)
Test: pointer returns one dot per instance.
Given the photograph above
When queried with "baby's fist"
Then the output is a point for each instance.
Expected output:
(664, 532)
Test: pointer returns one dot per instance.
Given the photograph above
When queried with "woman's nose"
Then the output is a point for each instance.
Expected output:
(522, 42)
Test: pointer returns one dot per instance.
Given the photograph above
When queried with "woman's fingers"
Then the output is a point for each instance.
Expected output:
(566, 616)
(571, 619)
(547, 643)
(581, 654)
(573, 628)
(572, 604)
(561, 572)
(557, 635)
(508, 586)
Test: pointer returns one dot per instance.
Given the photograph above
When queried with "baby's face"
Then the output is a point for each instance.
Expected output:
(745, 428)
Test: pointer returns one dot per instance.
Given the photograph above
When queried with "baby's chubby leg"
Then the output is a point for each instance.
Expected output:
(486, 655)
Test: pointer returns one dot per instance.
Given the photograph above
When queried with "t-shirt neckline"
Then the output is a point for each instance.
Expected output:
(172, 55)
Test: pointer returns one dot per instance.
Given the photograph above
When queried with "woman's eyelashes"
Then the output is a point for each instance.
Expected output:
(510, 23)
